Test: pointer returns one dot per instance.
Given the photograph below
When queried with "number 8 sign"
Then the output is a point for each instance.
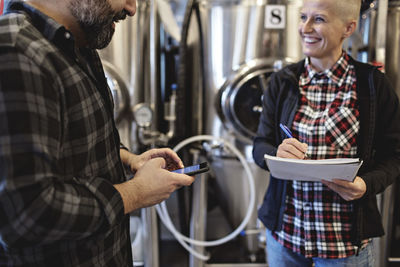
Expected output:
(275, 17)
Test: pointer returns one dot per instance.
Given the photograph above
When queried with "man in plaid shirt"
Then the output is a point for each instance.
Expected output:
(64, 199)
(335, 107)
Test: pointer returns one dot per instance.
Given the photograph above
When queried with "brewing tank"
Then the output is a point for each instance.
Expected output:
(393, 45)
(241, 47)
(243, 43)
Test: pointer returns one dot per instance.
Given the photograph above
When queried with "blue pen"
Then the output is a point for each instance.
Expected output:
(286, 130)
(288, 133)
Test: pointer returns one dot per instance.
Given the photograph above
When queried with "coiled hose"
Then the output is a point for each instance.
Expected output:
(184, 240)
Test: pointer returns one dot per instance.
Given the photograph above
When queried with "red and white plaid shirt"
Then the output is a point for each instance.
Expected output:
(317, 221)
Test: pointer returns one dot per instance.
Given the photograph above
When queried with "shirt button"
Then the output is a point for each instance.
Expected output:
(307, 206)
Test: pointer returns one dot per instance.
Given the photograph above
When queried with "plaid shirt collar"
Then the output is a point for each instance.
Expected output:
(51, 30)
(64, 40)
(334, 74)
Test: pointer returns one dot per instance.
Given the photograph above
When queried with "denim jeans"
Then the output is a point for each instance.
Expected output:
(279, 256)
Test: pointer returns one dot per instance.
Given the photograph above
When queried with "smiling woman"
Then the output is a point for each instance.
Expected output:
(325, 100)
(323, 29)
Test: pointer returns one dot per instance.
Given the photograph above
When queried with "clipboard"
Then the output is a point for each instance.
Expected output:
(313, 170)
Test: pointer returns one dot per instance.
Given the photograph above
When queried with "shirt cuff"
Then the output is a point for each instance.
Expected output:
(109, 198)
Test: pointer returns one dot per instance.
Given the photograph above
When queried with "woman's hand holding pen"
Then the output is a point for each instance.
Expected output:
(292, 148)
(348, 190)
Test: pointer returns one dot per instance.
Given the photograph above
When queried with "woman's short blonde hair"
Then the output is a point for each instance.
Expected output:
(348, 9)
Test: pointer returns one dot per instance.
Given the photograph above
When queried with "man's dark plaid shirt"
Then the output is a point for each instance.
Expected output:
(59, 150)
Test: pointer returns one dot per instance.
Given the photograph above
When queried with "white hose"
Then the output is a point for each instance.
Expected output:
(165, 218)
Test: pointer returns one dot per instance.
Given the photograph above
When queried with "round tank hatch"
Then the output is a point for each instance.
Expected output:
(240, 99)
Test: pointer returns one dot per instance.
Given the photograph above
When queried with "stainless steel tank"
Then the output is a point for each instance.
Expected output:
(393, 45)
(130, 69)
(240, 51)
(127, 58)
(244, 42)
(387, 254)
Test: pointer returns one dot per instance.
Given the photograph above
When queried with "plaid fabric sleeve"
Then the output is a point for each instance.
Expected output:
(37, 204)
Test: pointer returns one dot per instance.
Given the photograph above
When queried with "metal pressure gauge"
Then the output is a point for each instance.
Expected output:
(143, 115)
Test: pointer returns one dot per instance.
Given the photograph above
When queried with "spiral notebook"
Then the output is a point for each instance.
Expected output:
(313, 170)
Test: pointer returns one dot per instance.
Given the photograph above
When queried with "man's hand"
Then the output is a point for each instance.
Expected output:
(135, 162)
(151, 185)
(348, 190)
(292, 148)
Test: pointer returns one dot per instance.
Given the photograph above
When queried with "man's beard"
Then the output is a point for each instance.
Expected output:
(96, 18)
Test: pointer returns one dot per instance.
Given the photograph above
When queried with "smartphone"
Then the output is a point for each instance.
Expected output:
(194, 169)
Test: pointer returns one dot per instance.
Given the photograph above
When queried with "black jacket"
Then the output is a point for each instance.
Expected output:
(378, 143)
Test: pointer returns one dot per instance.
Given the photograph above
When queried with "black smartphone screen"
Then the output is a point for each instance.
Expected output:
(194, 169)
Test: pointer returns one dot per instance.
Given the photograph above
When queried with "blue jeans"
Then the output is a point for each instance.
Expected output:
(279, 256)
